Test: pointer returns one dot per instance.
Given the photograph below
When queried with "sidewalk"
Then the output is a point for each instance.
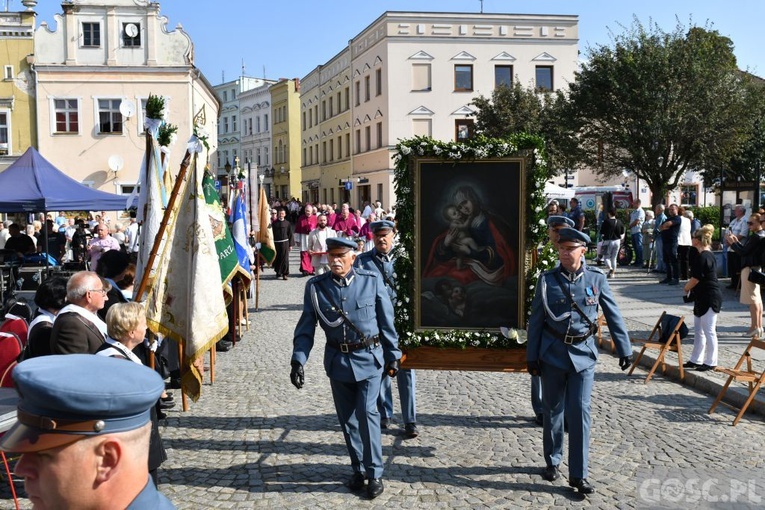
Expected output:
(642, 299)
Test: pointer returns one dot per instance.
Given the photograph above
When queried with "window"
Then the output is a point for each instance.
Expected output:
(463, 78)
(8, 72)
(331, 150)
(109, 116)
(464, 129)
(358, 141)
(544, 77)
(421, 78)
(67, 115)
(379, 135)
(331, 107)
(347, 98)
(689, 195)
(249, 125)
(310, 155)
(304, 124)
(225, 124)
(128, 189)
(323, 152)
(367, 94)
(131, 35)
(422, 127)
(265, 155)
(347, 145)
(91, 35)
(257, 155)
(233, 94)
(4, 130)
(378, 82)
(503, 75)
(358, 92)
(257, 124)
(339, 147)
(225, 96)
(233, 123)
(323, 110)
(265, 122)
(368, 137)
(339, 103)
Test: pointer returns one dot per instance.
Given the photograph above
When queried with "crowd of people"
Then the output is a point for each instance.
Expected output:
(308, 226)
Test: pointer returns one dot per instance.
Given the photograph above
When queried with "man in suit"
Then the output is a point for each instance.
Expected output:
(561, 349)
(77, 328)
(355, 312)
(382, 259)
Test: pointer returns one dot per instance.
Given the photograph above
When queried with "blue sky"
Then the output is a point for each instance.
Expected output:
(290, 37)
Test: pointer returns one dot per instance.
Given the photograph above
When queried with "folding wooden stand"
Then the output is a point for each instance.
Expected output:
(753, 378)
(665, 341)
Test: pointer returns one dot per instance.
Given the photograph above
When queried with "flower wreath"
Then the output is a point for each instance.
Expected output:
(537, 173)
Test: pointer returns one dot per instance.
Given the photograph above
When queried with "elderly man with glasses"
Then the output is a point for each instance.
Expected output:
(77, 328)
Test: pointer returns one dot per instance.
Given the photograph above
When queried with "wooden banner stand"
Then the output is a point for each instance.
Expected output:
(467, 359)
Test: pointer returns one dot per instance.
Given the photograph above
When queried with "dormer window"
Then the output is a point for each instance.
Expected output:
(131, 35)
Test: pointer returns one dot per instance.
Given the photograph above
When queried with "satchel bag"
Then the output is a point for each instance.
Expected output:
(756, 276)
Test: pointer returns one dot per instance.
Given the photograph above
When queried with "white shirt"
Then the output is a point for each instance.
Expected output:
(317, 241)
(684, 235)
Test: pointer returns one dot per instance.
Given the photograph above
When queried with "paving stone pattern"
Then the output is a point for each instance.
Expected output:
(254, 441)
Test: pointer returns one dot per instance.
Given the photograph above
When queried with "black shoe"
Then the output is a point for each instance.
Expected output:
(582, 485)
(223, 346)
(551, 473)
(704, 368)
(385, 423)
(375, 487)
(175, 383)
(674, 282)
(539, 419)
(168, 398)
(166, 404)
(665, 280)
(690, 364)
(410, 431)
(356, 483)
(161, 415)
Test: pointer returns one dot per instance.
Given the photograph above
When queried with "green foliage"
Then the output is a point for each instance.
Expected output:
(658, 103)
(155, 107)
(518, 145)
(166, 132)
(707, 215)
(517, 109)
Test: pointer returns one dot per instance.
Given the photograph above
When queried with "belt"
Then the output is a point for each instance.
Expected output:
(568, 339)
(350, 347)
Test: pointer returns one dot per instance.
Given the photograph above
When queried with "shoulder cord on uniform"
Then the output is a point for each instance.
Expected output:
(574, 305)
(319, 313)
(556, 318)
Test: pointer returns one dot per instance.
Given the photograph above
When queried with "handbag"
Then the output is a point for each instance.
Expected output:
(756, 276)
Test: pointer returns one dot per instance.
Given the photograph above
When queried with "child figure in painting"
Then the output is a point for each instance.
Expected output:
(461, 241)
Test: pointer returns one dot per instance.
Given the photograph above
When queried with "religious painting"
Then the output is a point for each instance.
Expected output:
(469, 222)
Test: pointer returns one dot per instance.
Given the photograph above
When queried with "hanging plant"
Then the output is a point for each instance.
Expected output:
(529, 147)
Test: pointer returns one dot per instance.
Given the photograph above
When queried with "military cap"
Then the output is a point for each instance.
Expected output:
(341, 242)
(376, 226)
(65, 398)
(572, 235)
(555, 220)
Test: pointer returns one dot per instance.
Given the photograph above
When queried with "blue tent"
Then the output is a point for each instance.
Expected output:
(33, 184)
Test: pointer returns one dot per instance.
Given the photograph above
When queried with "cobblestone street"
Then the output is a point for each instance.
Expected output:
(254, 441)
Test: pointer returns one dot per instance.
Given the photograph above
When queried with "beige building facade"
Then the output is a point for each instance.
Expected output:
(95, 70)
(417, 74)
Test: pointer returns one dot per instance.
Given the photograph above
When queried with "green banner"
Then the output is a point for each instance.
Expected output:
(224, 243)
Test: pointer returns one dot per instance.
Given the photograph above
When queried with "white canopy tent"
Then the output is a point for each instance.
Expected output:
(555, 192)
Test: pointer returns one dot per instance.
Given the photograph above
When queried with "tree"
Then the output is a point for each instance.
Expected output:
(517, 109)
(658, 104)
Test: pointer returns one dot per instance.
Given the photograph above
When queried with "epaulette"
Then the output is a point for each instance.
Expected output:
(366, 272)
(595, 269)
